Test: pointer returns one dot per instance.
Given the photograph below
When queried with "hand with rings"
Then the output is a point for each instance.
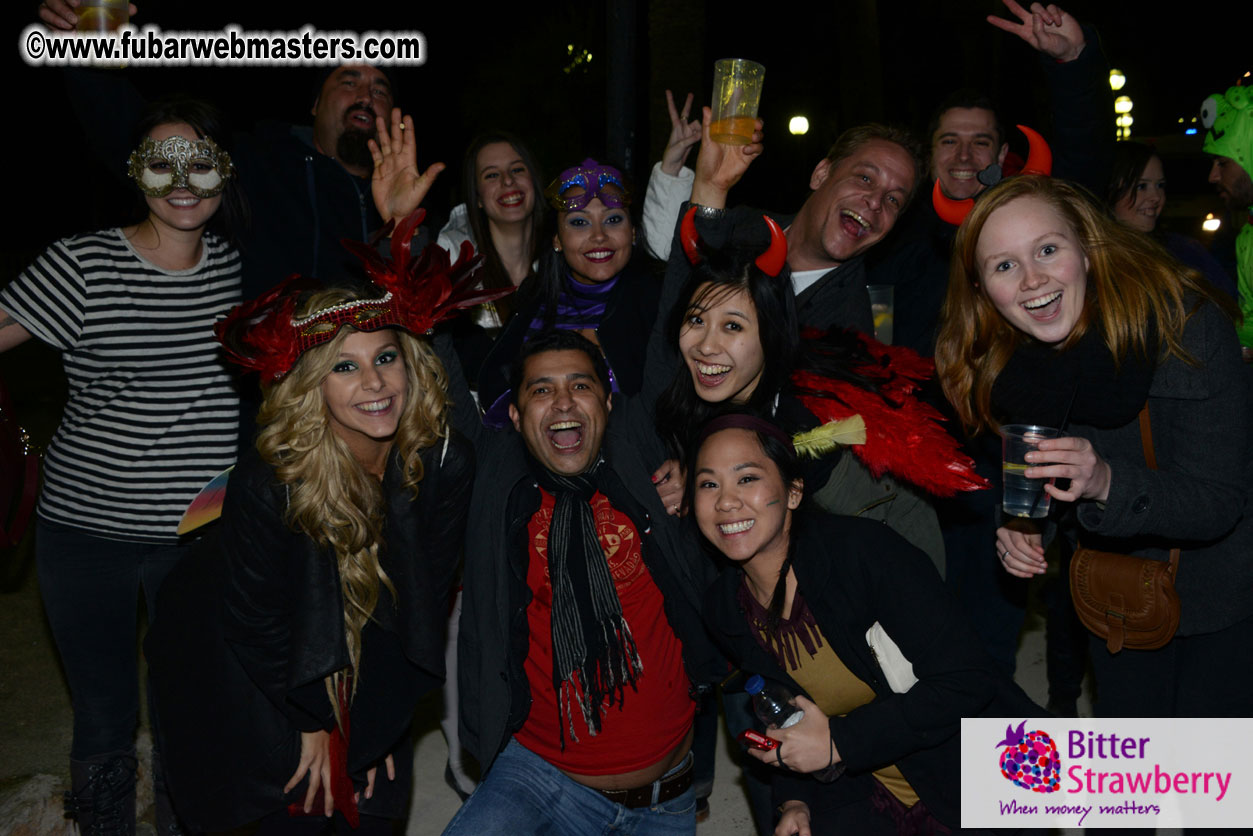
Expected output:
(1021, 552)
(808, 742)
(670, 483)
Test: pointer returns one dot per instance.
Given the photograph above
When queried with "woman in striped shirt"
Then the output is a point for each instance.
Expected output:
(152, 416)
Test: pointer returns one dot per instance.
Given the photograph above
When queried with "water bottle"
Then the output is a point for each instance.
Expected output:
(772, 704)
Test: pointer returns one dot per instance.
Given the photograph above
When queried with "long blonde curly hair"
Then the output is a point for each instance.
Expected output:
(332, 498)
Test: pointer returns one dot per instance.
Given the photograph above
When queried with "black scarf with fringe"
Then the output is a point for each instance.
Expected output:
(594, 654)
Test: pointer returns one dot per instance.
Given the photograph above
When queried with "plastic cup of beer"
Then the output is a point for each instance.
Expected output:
(1023, 497)
(737, 93)
(882, 309)
(102, 15)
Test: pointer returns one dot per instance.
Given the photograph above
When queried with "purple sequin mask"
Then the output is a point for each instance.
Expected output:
(596, 181)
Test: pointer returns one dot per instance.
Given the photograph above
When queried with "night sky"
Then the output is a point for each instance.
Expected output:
(838, 63)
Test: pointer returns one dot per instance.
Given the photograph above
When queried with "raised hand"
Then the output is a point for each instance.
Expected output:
(398, 185)
(60, 14)
(683, 135)
(719, 167)
(1047, 28)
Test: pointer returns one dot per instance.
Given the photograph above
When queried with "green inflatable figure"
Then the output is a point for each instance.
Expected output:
(1229, 120)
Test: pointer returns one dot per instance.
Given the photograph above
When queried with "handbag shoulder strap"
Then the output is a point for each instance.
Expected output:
(1146, 437)
(1150, 458)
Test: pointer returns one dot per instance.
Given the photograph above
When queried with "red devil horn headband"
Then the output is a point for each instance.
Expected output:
(770, 262)
(1039, 161)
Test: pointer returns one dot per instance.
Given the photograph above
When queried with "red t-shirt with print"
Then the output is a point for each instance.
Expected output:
(655, 717)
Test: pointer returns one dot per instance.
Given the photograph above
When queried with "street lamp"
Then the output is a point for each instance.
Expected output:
(1116, 79)
(1122, 106)
(798, 126)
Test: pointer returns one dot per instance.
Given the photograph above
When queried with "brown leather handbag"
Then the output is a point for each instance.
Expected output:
(1128, 601)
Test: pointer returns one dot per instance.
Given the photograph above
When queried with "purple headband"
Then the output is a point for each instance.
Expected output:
(592, 177)
(744, 421)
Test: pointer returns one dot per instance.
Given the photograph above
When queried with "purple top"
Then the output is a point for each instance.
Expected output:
(579, 306)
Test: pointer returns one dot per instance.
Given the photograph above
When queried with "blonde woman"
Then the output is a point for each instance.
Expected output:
(287, 672)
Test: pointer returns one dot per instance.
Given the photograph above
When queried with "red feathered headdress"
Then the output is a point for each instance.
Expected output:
(903, 433)
(265, 336)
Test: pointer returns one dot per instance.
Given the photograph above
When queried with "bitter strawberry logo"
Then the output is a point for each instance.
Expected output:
(1030, 759)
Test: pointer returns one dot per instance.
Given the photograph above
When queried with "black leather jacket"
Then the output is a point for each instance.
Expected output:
(252, 623)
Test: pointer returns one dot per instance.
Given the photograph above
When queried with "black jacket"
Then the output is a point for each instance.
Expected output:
(630, 312)
(494, 635)
(915, 259)
(252, 623)
(837, 300)
(852, 574)
(301, 201)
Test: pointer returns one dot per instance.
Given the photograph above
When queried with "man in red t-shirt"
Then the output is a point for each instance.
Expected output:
(580, 626)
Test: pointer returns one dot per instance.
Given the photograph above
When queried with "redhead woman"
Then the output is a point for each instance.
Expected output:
(1058, 314)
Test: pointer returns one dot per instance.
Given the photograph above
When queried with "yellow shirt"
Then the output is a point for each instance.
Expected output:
(800, 647)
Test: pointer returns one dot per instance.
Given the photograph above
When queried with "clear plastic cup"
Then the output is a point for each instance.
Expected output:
(737, 93)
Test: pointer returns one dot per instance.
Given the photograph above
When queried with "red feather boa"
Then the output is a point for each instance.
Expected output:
(906, 440)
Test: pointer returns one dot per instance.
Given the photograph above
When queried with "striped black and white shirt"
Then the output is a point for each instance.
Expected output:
(152, 414)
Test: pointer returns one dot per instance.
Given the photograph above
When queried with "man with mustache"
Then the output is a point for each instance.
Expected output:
(581, 645)
(307, 186)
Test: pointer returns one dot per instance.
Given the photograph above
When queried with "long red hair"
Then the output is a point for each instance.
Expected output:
(1132, 284)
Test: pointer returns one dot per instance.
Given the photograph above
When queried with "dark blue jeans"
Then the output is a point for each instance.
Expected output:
(523, 795)
(90, 587)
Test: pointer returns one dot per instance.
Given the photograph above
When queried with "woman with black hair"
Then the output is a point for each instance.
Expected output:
(152, 417)
(849, 617)
(738, 345)
(591, 282)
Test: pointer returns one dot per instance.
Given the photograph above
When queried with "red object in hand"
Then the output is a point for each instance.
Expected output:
(342, 789)
(757, 740)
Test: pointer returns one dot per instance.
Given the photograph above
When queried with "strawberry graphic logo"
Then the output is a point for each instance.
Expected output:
(1030, 759)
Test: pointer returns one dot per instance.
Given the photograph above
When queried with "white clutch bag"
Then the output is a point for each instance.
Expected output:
(897, 670)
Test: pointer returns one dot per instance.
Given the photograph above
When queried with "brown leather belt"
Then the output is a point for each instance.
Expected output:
(668, 787)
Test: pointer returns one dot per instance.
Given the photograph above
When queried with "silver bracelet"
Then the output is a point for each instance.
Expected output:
(709, 212)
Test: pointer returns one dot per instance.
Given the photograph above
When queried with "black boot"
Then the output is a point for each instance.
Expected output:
(103, 794)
